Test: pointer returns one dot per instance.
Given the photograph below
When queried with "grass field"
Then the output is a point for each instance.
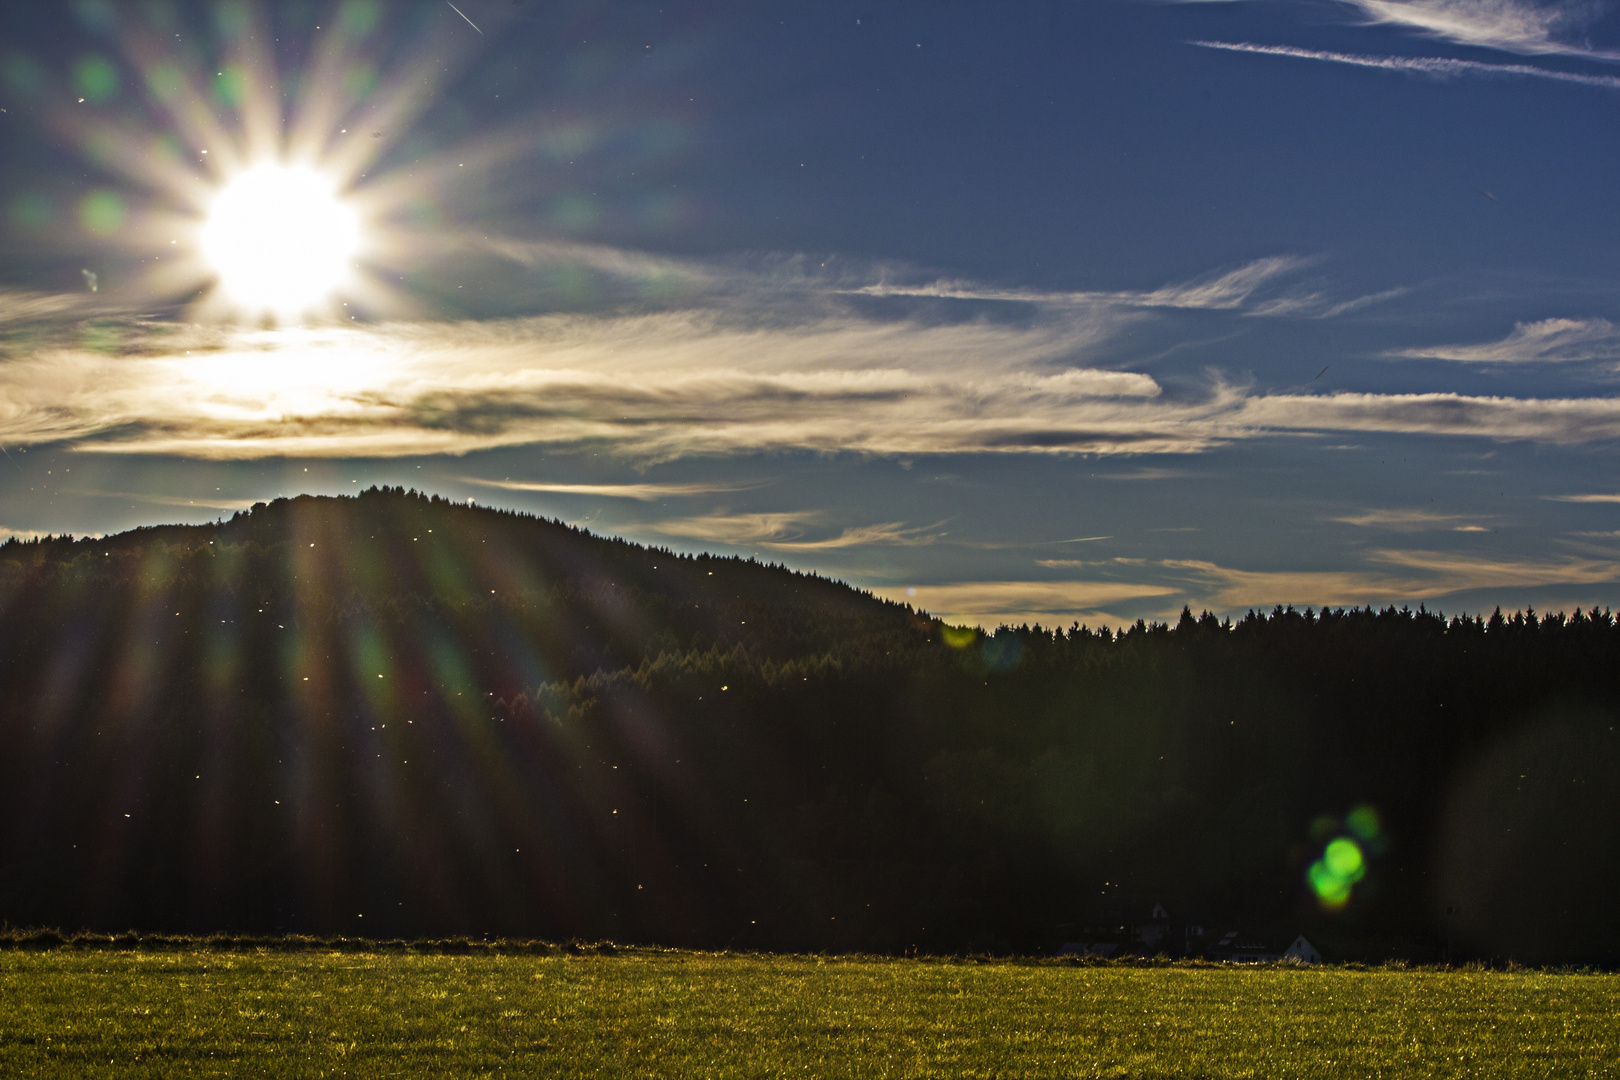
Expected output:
(190, 1012)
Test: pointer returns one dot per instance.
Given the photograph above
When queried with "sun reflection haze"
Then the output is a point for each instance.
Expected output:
(284, 373)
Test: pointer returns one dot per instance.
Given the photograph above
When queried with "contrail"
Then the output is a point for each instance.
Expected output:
(463, 14)
(1433, 66)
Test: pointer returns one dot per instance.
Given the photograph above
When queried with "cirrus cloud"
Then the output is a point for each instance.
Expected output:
(1410, 521)
(639, 492)
(653, 386)
(1549, 420)
(670, 385)
(789, 531)
(1226, 291)
(1546, 341)
(735, 374)
(1525, 27)
(1051, 603)
(1517, 26)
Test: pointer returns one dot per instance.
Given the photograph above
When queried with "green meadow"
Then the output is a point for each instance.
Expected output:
(193, 1012)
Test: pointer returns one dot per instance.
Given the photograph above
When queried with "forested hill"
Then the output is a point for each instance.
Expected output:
(394, 715)
(529, 600)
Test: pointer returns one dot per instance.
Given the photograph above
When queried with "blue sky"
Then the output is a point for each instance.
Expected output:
(1018, 311)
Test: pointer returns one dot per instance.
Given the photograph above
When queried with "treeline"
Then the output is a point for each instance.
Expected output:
(395, 715)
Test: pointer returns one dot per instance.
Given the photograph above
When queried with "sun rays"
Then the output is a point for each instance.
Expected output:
(363, 716)
(244, 190)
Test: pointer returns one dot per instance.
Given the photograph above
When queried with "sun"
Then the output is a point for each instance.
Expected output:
(282, 240)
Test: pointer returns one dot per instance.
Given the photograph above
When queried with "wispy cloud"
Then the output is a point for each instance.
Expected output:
(1598, 498)
(1517, 26)
(806, 283)
(1051, 603)
(1547, 341)
(734, 374)
(787, 531)
(888, 534)
(739, 529)
(1526, 27)
(1411, 575)
(672, 275)
(1432, 66)
(653, 386)
(1225, 588)
(1549, 420)
(1387, 576)
(1318, 305)
(201, 502)
(1004, 545)
(1226, 291)
(1409, 520)
(640, 492)
(1458, 572)
(659, 387)
(19, 306)
(1144, 474)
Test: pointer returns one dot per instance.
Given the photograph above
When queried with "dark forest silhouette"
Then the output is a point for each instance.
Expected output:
(396, 715)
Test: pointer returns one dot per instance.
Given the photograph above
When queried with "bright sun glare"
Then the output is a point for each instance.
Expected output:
(281, 239)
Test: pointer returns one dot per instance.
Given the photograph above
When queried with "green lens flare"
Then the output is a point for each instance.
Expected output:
(1331, 890)
(1343, 857)
(359, 80)
(31, 210)
(573, 283)
(24, 75)
(574, 211)
(232, 19)
(359, 17)
(102, 213)
(165, 80)
(95, 78)
(165, 148)
(1363, 823)
(1335, 874)
(230, 86)
(957, 637)
(100, 338)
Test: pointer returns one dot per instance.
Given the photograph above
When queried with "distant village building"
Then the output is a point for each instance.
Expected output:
(1172, 937)
(1234, 948)
(1113, 934)
(1302, 951)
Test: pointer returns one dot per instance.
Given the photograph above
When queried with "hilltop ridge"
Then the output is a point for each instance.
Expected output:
(585, 603)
